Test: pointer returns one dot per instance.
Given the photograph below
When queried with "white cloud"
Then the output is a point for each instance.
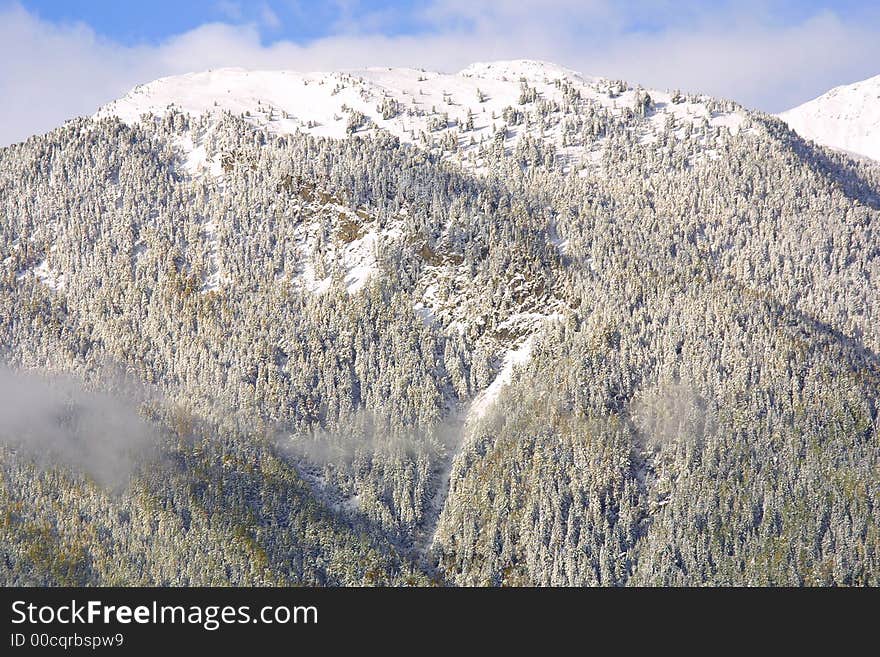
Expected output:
(49, 73)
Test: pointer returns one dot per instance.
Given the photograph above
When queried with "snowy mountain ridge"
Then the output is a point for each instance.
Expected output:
(504, 101)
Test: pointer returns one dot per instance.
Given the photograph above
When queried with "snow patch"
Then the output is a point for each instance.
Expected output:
(513, 358)
(195, 159)
(359, 260)
(48, 276)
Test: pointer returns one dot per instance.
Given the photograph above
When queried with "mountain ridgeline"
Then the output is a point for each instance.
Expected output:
(509, 327)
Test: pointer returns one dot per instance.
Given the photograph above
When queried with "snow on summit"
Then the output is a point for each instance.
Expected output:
(503, 101)
(846, 118)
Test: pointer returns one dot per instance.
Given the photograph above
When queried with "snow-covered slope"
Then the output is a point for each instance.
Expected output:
(501, 101)
(846, 118)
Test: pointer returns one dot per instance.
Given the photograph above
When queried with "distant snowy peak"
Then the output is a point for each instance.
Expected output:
(456, 113)
(846, 118)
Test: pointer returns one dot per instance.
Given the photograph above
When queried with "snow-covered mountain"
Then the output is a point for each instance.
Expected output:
(509, 326)
(847, 118)
(500, 100)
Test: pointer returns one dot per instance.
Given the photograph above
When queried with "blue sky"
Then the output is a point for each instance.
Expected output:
(64, 58)
(138, 22)
(302, 21)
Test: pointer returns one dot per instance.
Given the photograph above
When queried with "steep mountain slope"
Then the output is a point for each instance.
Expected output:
(846, 118)
(608, 340)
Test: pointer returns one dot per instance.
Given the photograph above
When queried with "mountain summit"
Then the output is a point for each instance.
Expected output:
(504, 101)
